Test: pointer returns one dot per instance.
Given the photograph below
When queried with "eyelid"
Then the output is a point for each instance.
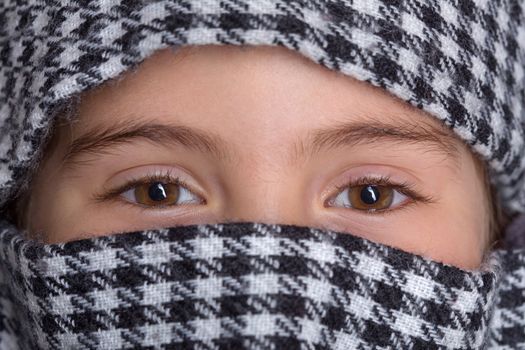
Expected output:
(404, 188)
(148, 174)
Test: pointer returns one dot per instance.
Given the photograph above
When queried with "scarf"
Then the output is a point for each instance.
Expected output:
(252, 286)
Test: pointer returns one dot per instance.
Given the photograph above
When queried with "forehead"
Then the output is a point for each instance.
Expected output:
(262, 91)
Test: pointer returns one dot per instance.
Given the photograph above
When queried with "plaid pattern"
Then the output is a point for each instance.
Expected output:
(507, 330)
(462, 61)
(247, 285)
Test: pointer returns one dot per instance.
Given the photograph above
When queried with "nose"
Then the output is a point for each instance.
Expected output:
(271, 197)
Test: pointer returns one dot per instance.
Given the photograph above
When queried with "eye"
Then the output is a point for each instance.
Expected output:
(369, 197)
(159, 194)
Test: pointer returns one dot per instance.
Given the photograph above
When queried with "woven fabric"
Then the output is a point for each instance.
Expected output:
(461, 61)
(507, 330)
(251, 286)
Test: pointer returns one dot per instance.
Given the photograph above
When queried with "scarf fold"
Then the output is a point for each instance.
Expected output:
(252, 286)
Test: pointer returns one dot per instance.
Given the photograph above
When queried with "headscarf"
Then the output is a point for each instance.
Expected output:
(252, 285)
(461, 61)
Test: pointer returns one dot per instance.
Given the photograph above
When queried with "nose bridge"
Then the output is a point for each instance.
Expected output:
(264, 195)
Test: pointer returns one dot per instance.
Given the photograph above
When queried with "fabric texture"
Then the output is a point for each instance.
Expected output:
(251, 286)
(461, 61)
(514, 237)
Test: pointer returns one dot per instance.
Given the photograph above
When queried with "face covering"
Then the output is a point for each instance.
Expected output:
(251, 286)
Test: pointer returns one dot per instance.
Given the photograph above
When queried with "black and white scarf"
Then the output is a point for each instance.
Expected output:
(252, 286)
(248, 285)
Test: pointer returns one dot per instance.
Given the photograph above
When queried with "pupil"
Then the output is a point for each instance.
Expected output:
(157, 192)
(370, 195)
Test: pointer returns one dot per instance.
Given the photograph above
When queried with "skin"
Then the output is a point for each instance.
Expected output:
(264, 104)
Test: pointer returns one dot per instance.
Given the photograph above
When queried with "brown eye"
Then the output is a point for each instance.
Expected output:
(156, 194)
(160, 194)
(370, 197)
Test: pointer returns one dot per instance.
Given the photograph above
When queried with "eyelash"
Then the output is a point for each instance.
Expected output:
(404, 188)
(167, 177)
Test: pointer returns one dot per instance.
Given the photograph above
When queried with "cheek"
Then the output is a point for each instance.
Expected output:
(443, 236)
(52, 210)
(460, 228)
(454, 237)
(437, 232)
(459, 223)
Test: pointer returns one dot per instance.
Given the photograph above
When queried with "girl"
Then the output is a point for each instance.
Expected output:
(323, 180)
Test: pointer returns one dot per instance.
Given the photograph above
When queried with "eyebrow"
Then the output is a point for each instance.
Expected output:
(431, 138)
(102, 140)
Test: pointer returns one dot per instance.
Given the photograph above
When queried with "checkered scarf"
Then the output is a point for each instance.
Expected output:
(462, 61)
(251, 286)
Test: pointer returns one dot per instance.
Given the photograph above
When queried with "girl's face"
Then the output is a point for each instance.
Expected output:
(216, 134)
